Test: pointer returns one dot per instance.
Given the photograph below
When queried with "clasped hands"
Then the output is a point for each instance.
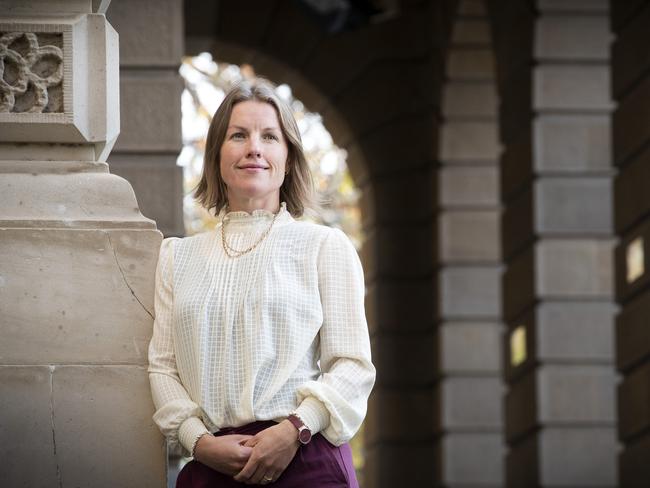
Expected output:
(253, 460)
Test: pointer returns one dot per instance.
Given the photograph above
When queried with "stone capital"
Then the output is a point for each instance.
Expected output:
(60, 80)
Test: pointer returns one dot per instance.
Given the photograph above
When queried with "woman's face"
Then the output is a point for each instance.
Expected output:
(253, 157)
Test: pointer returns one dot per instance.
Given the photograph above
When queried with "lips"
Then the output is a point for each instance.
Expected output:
(253, 166)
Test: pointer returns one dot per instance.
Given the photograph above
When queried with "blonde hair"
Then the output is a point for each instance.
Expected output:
(297, 189)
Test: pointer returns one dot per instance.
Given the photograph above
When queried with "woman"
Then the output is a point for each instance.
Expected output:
(260, 359)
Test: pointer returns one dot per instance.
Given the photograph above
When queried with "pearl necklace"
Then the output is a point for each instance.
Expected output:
(231, 252)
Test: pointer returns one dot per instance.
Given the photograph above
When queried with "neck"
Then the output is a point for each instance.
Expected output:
(250, 204)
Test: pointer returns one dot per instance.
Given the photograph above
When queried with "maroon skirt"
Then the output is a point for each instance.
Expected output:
(318, 464)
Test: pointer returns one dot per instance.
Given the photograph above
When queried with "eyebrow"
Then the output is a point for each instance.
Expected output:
(238, 127)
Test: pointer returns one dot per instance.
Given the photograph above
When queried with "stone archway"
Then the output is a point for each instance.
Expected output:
(377, 87)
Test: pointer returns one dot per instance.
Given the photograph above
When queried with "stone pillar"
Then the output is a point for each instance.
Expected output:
(399, 254)
(631, 89)
(77, 261)
(151, 48)
(557, 243)
(470, 387)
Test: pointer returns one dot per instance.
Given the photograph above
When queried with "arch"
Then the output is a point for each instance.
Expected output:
(378, 89)
(304, 90)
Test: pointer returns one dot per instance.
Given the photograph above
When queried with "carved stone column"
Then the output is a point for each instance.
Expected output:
(77, 261)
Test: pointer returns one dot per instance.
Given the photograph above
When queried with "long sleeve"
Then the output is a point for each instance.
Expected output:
(277, 330)
(336, 402)
(177, 415)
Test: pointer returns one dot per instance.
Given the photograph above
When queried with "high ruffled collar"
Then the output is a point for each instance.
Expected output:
(257, 215)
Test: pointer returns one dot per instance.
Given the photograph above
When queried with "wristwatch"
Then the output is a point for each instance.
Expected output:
(304, 434)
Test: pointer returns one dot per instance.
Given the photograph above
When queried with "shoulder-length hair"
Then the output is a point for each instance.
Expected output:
(297, 189)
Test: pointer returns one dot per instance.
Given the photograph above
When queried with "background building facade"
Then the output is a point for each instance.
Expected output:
(501, 150)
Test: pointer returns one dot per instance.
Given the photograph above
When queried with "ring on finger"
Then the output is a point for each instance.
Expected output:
(267, 479)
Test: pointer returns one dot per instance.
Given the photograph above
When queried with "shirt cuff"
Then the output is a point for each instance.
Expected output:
(313, 414)
(189, 431)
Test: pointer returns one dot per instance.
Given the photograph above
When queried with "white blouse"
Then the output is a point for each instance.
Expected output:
(256, 337)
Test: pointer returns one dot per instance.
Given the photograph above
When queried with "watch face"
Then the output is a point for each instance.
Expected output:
(304, 436)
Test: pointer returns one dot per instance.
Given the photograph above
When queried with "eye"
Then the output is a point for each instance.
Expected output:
(237, 135)
(270, 137)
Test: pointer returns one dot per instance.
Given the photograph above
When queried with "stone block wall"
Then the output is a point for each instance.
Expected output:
(630, 22)
(151, 48)
(77, 262)
(469, 443)
(557, 244)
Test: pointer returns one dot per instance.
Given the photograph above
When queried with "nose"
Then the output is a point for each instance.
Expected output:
(254, 148)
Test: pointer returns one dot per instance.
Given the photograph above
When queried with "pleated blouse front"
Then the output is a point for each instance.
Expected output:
(255, 337)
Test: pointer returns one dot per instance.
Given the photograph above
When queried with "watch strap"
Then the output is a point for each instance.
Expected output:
(304, 433)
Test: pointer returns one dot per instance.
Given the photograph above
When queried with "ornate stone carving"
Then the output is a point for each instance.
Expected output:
(31, 72)
(59, 83)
